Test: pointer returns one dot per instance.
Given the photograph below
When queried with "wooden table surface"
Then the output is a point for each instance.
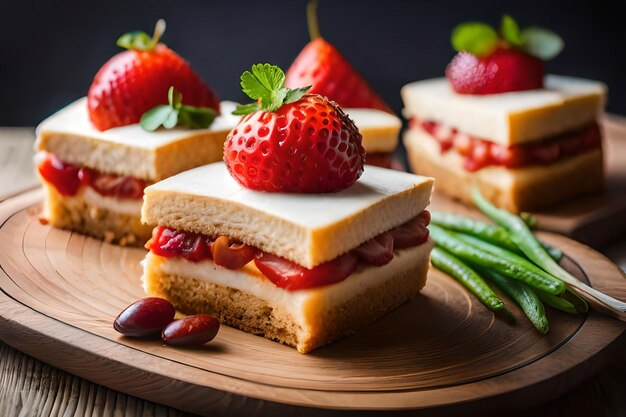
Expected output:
(29, 387)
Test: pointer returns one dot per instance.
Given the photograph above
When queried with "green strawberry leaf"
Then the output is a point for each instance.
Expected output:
(296, 94)
(509, 30)
(176, 114)
(242, 109)
(476, 38)
(141, 41)
(137, 41)
(542, 43)
(266, 84)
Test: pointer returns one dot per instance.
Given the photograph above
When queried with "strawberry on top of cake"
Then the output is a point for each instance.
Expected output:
(147, 115)
(293, 238)
(526, 139)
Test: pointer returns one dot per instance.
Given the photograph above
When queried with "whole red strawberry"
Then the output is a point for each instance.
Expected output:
(329, 74)
(491, 62)
(503, 71)
(134, 81)
(290, 141)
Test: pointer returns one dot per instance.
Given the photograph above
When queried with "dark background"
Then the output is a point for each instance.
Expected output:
(50, 51)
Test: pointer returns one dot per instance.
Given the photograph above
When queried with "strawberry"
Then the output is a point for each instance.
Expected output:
(323, 67)
(491, 62)
(134, 81)
(290, 141)
(503, 71)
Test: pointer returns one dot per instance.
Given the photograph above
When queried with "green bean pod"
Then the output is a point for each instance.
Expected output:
(579, 303)
(454, 267)
(528, 243)
(513, 269)
(557, 302)
(487, 232)
(524, 296)
(505, 254)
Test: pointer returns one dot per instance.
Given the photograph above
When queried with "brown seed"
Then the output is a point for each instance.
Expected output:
(145, 317)
(191, 331)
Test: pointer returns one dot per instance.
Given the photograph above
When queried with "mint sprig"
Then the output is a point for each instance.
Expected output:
(141, 41)
(481, 39)
(265, 83)
(175, 113)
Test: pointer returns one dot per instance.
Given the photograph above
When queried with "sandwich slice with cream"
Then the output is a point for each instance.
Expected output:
(301, 269)
(147, 116)
(526, 140)
(293, 238)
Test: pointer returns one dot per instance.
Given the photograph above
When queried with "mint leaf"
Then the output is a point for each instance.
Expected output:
(242, 109)
(296, 94)
(160, 115)
(542, 43)
(195, 117)
(509, 29)
(175, 98)
(476, 38)
(137, 41)
(176, 114)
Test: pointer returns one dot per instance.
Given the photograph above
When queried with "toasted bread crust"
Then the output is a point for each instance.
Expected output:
(74, 213)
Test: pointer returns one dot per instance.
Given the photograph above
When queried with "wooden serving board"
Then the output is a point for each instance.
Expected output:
(60, 292)
(592, 219)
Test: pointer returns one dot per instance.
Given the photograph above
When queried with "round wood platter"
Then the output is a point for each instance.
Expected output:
(61, 291)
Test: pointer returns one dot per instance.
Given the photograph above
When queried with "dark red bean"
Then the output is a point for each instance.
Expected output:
(145, 317)
(191, 331)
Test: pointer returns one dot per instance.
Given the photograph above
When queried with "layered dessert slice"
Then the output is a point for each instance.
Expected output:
(301, 269)
(94, 180)
(496, 123)
(147, 116)
(380, 131)
(290, 239)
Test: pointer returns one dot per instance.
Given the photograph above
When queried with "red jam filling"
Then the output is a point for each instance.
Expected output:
(479, 153)
(378, 251)
(68, 178)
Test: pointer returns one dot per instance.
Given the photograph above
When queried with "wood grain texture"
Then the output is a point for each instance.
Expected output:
(17, 172)
(61, 292)
(592, 219)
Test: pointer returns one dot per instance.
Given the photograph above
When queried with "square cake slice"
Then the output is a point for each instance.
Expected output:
(301, 269)
(524, 150)
(94, 179)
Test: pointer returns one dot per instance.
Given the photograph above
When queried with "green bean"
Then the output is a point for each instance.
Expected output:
(528, 243)
(557, 302)
(463, 224)
(579, 303)
(476, 256)
(454, 267)
(529, 219)
(524, 296)
(488, 232)
(505, 254)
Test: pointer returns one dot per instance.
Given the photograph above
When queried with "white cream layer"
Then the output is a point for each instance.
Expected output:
(74, 120)
(565, 103)
(251, 281)
(128, 206)
(311, 210)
